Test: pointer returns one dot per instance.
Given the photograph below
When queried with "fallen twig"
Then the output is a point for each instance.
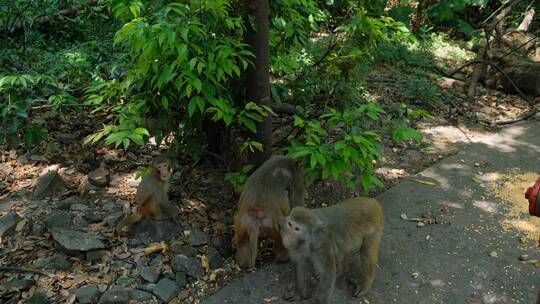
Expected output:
(22, 269)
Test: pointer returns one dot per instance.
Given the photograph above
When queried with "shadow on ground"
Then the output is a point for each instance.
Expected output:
(466, 257)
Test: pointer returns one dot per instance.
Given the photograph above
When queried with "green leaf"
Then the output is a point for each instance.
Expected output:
(197, 84)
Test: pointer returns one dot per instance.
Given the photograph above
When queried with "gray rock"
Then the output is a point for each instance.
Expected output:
(181, 279)
(77, 241)
(95, 255)
(54, 262)
(139, 295)
(48, 184)
(184, 250)
(37, 298)
(23, 159)
(166, 290)
(191, 266)
(223, 246)
(87, 294)
(93, 217)
(197, 238)
(66, 203)
(153, 231)
(114, 218)
(100, 177)
(79, 222)
(150, 273)
(78, 207)
(125, 281)
(57, 219)
(214, 258)
(122, 295)
(23, 284)
(37, 158)
(116, 295)
(8, 223)
(110, 207)
(38, 229)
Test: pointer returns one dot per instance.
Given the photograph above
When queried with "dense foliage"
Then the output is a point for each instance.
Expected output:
(169, 69)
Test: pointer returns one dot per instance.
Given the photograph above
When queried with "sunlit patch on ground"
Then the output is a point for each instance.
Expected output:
(510, 187)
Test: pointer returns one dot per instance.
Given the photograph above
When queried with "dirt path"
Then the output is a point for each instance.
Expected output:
(470, 255)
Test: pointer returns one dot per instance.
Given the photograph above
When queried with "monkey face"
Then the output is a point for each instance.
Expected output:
(164, 171)
(293, 234)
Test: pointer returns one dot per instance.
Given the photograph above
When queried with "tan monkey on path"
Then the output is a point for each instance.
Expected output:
(340, 239)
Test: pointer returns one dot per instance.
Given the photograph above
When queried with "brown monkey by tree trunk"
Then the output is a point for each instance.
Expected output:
(265, 201)
(151, 198)
(340, 239)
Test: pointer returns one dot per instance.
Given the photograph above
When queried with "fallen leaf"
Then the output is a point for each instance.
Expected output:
(415, 275)
(213, 277)
(403, 216)
(425, 182)
(493, 254)
(156, 247)
(204, 262)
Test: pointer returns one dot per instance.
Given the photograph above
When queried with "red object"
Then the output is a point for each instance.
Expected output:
(534, 199)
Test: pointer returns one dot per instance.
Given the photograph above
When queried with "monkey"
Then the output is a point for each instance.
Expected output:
(151, 198)
(265, 201)
(342, 239)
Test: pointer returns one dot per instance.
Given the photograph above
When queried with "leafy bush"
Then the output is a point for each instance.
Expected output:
(340, 144)
(19, 94)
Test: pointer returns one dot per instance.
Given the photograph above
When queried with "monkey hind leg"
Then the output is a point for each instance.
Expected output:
(245, 257)
(253, 245)
(364, 264)
(130, 219)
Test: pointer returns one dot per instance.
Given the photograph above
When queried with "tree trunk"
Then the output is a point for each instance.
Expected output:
(257, 75)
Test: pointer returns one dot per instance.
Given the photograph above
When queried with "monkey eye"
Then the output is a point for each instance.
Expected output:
(297, 228)
(289, 223)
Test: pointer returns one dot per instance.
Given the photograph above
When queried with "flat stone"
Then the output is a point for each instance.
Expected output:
(57, 219)
(166, 290)
(48, 184)
(95, 255)
(93, 217)
(77, 241)
(22, 284)
(214, 258)
(116, 295)
(79, 222)
(139, 295)
(181, 279)
(114, 218)
(150, 273)
(197, 238)
(54, 263)
(38, 229)
(8, 223)
(186, 250)
(189, 265)
(78, 207)
(37, 298)
(87, 294)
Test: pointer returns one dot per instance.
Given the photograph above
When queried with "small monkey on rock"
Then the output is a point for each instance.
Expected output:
(151, 198)
(265, 201)
(340, 239)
